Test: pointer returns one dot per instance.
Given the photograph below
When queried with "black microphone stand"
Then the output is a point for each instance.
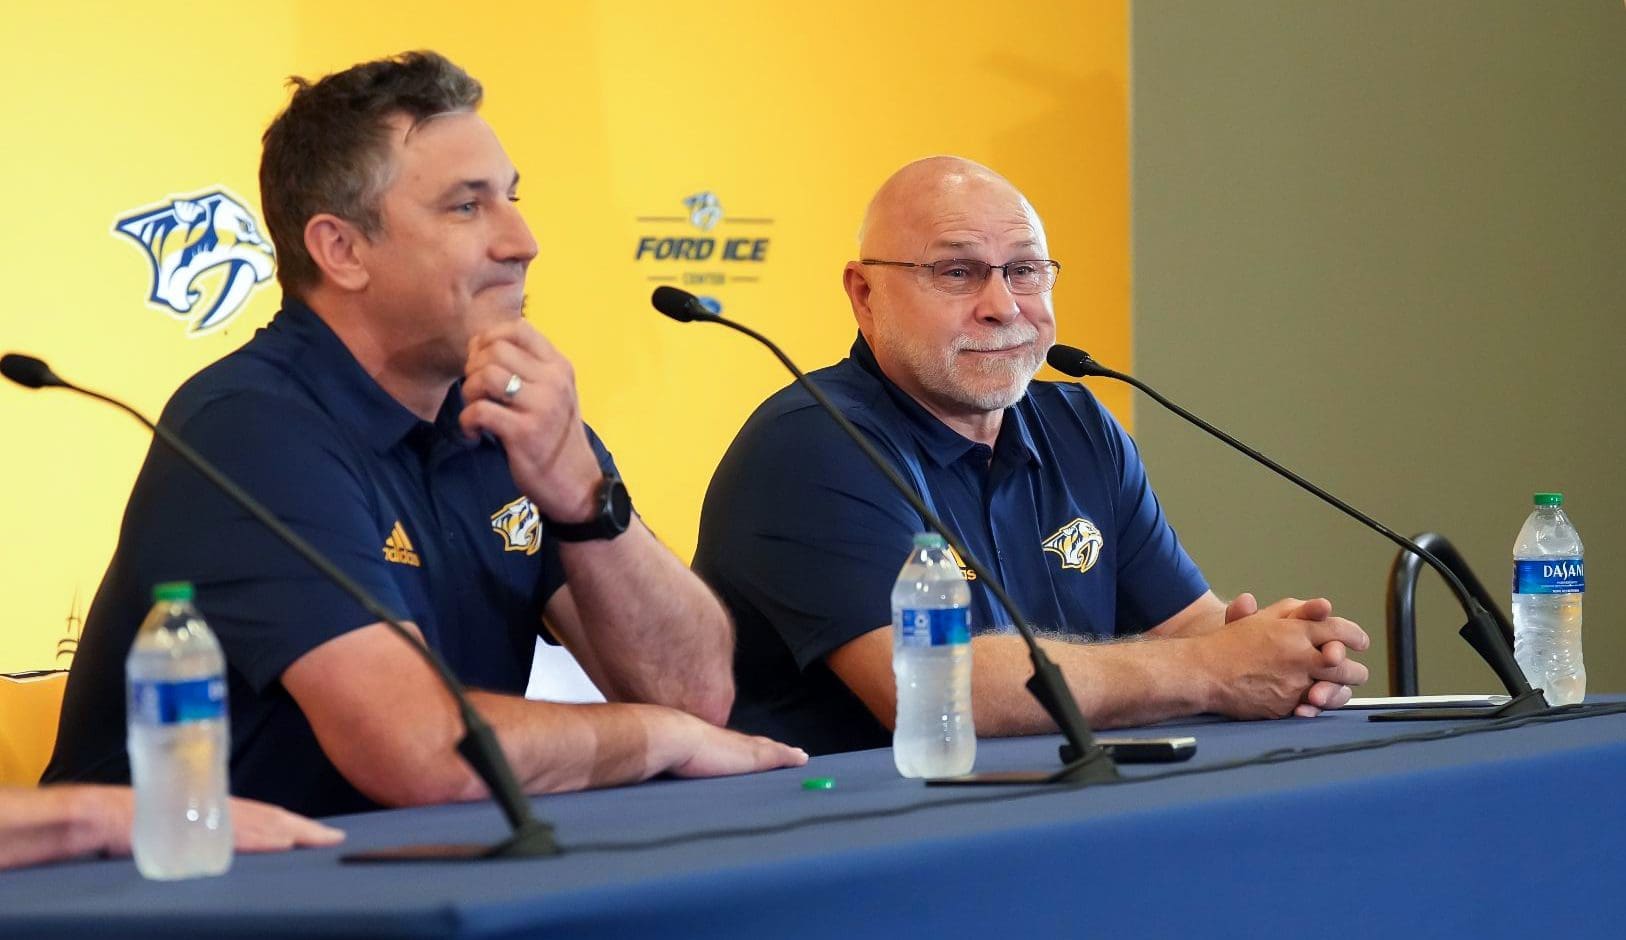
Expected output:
(530, 837)
(1482, 630)
(1084, 760)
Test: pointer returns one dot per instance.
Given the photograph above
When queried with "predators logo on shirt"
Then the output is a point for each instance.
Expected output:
(520, 526)
(1078, 543)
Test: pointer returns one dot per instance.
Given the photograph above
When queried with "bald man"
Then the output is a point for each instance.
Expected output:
(802, 538)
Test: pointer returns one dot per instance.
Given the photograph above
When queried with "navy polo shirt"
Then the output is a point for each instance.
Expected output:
(428, 522)
(802, 537)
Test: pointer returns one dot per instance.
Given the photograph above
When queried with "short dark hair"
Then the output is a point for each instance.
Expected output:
(328, 151)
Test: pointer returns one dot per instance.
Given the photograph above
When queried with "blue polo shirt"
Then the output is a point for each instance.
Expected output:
(802, 537)
(430, 523)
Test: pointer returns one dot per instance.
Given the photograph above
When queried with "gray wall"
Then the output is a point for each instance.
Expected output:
(1385, 243)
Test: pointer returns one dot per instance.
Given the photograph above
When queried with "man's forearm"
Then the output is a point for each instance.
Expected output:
(570, 747)
(390, 727)
(658, 633)
(555, 748)
(1231, 659)
(388, 724)
(551, 747)
(1116, 683)
(50, 823)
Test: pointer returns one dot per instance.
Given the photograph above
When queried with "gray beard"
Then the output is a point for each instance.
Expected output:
(942, 374)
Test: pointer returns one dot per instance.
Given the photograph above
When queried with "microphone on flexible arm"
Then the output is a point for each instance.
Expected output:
(1482, 631)
(530, 837)
(1085, 759)
(28, 371)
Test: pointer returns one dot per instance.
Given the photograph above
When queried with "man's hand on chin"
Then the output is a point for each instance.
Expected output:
(522, 390)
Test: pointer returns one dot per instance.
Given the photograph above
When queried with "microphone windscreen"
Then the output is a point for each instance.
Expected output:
(677, 303)
(27, 371)
(1070, 360)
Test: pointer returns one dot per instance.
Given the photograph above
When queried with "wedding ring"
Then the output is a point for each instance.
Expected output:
(512, 388)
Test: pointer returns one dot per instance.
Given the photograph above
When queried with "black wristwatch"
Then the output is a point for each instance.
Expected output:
(612, 517)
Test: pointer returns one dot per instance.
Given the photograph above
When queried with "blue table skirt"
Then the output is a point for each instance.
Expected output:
(1497, 834)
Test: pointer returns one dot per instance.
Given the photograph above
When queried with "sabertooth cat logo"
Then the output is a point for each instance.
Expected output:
(1078, 543)
(704, 210)
(520, 526)
(190, 236)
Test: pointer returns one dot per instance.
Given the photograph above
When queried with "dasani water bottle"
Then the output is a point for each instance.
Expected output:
(1548, 582)
(178, 741)
(931, 659)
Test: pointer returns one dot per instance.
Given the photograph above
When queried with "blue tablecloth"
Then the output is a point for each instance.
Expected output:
(1506, 833)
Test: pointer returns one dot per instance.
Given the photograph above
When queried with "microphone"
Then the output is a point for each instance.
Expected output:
(28, 371)
(1085, 760)
(1482, 631)
(680, 305)
(529, 837)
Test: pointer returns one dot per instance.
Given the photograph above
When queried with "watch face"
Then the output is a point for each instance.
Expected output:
(619, 504)
(613, 517)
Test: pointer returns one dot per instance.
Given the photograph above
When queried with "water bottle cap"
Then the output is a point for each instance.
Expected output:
(928, 540)
(172, 591)
(1549, 499)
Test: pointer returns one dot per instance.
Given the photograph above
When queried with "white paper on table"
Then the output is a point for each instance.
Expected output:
(557, 677)
(1427, 701)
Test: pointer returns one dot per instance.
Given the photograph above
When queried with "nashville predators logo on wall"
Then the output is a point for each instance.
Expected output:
(704, 249)
(704, 210)
(1078, 543)
(520, 526)
(189, 237)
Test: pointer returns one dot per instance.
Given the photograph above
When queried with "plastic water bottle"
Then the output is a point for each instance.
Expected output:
(178, 741)
(931, 659)
(1548, 582)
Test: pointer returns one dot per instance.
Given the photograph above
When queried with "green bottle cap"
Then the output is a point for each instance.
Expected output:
(928, 540)
(819, 783)
(1549, 499)
(172, 591)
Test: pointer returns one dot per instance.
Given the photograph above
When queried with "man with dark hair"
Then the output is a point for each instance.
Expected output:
(401, 415)
(329, 151)
(803, 537)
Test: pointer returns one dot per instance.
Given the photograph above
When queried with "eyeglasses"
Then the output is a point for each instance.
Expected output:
(965, 276)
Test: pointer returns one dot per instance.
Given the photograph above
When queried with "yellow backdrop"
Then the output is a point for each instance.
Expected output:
(616, 113)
